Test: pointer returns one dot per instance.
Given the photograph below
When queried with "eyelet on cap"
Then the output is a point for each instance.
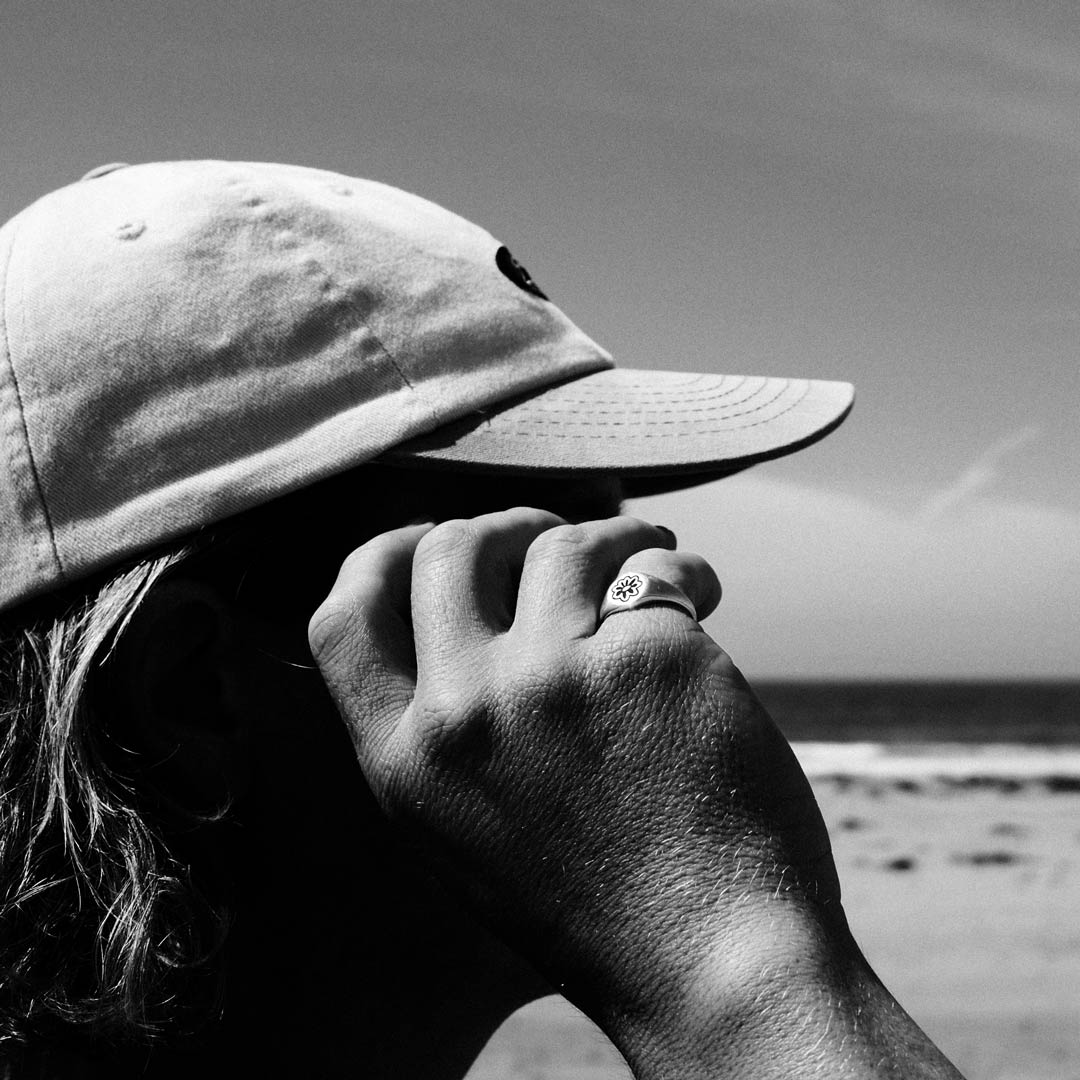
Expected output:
(104, 170)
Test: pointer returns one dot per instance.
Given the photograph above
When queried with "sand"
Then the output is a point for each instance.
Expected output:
(961, 875)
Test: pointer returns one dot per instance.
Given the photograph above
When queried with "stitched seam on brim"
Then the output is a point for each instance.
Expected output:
(537, 407)
(671, 394)
(524, 430)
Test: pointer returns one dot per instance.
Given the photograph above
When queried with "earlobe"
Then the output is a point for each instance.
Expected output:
(169, 701)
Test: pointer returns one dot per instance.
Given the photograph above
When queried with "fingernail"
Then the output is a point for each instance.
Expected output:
(423, 519)
(665, 529)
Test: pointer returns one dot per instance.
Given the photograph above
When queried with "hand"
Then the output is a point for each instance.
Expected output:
(606, 796)
(610, 798)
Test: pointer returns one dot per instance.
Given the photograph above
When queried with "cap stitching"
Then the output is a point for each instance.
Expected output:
(21, 409)
(647, 392)
(256, 193)
(361, 318)
(522, 430)
(559, 407)
(394, 362)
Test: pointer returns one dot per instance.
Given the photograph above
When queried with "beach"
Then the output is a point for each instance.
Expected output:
(960, 867)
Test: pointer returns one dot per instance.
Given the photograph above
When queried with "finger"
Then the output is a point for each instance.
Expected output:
(465, 580)
(567, 569)
(683, 569)
(361, 636)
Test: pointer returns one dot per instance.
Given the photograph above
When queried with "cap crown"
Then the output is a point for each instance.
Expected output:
(182, 341)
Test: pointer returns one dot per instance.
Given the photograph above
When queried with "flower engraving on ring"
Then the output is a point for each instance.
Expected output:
(626, 588)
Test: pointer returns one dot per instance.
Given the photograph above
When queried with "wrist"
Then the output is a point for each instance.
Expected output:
(789, 995)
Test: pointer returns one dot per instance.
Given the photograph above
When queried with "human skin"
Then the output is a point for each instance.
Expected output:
(611, 799)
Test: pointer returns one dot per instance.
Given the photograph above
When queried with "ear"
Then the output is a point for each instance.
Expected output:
(170, 701)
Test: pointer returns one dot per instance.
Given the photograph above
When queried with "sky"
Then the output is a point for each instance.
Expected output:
(885, 192)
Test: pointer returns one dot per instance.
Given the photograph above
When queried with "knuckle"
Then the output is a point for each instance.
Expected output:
(533, 679)
(449, 728)
(665, 652)
(531, 516)
(644, 532)
(560, 543)
(583, 540)
(447, 540)
(467, 541)
(720, 666)
(339, 640)
(357, 564)
(467, 717)
(544, 690)
(327, 629)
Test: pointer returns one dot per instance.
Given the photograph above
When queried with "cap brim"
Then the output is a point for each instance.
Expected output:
(661, 429)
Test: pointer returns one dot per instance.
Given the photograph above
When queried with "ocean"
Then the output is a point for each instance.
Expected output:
(1026, 713)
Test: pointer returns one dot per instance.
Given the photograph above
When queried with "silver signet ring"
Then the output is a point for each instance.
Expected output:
(636, 590)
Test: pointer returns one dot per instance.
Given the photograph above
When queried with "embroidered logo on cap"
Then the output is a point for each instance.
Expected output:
(517, 273)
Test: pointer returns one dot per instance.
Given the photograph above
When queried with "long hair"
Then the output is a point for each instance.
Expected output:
(113, 916)
(99, 923)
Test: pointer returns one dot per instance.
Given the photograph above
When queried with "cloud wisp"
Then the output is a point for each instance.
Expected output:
(978, 476)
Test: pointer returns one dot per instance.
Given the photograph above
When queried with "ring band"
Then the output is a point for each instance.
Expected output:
(636, 590)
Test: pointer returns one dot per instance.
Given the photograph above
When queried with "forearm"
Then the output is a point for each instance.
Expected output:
(785, 1007)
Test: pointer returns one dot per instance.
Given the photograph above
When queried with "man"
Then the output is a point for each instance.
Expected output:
(218, 381)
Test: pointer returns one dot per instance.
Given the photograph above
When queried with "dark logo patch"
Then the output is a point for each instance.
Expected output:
(517, 273)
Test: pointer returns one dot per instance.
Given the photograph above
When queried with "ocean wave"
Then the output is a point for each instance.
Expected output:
(1057, 767)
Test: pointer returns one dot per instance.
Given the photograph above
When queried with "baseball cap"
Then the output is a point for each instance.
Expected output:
(183, 341)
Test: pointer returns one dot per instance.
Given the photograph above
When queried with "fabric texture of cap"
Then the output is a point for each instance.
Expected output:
(182, 341)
